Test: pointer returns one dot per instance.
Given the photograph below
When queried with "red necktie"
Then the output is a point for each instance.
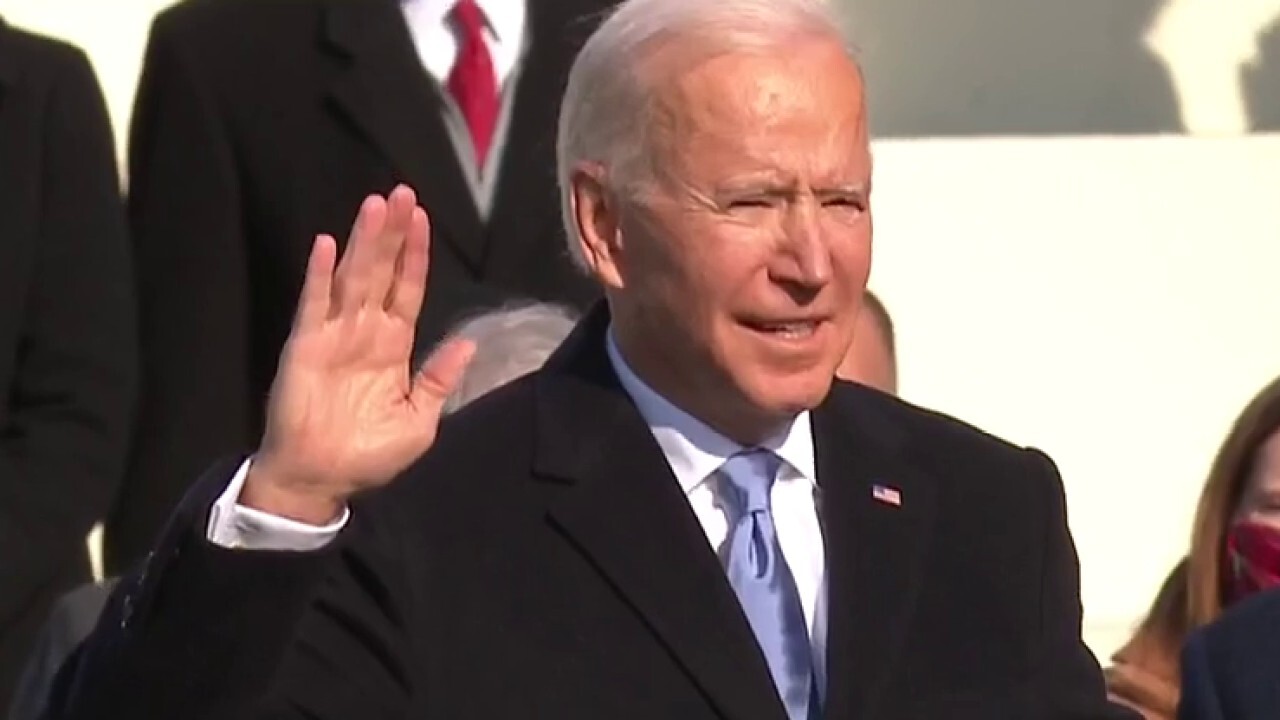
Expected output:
(473, 82)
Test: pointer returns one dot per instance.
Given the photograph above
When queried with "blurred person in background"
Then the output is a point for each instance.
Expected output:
(260, 123)
(70, 622)
(68, 362)
(511, 342)
(1231, 667)
(872, 358)
(1235, 552)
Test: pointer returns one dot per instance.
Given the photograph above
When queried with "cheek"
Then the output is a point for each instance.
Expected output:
(850, 237)
(851, 261)
(728, 261)
(862, 248)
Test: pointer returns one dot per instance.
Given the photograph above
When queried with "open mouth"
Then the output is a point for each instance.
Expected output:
(788, 330)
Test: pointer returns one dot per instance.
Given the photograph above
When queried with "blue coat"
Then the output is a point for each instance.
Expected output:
(1231, 668)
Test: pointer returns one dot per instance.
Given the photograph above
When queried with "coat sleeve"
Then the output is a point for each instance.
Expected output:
(1070, 682)
(192, 273)
(63, 443)
(202, 632)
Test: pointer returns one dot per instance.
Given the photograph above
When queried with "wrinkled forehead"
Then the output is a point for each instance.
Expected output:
(796, 110)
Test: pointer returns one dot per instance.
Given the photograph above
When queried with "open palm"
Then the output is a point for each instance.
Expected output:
(347, 412)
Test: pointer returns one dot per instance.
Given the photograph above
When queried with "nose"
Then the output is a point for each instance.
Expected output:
(806, 256)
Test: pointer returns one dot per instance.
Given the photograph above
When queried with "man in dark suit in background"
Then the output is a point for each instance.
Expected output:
(260, 123)
(1231, 668)
(67, 353)
(681, 515)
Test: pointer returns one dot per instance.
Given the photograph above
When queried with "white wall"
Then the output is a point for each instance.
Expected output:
(112, 32)
(1111, 300)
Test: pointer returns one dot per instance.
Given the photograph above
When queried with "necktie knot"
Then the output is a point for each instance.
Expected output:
(470, 18)
(749, 477)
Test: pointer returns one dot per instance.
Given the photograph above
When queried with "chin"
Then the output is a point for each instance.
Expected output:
(789, 394)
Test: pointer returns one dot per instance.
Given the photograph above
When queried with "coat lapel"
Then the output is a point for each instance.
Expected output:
(19, 190)
(526, 191)
(625, 512)
(875, 548)
(383, 91)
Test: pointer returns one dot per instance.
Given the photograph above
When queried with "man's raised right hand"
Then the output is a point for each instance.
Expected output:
(347, 412)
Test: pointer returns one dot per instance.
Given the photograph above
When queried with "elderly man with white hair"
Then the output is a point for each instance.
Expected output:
(682, 515)
(510, 342)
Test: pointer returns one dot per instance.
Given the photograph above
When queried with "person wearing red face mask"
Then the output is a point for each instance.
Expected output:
(1235, 553)
(1252, 555)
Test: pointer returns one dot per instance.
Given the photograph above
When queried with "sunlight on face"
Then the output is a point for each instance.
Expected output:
(744, 262)
(1260, 501)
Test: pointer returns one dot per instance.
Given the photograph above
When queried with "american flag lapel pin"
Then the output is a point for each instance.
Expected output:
(887, 495)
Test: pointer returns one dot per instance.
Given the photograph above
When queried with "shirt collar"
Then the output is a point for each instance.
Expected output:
(692, 448)
(505, 18)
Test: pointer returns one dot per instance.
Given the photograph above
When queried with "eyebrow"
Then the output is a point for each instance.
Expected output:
(775, 188)
(773, 180)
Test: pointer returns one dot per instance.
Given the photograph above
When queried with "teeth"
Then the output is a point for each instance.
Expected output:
(792, 329)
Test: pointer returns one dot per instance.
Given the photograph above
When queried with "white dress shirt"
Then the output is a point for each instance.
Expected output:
(693, 450)
(436, 39)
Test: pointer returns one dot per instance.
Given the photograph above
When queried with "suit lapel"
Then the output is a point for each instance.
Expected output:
(625, 512)
(875, 548)
(526, 191)
(383, 91)
(18, 189)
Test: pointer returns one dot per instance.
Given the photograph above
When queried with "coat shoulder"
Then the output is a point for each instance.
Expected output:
(980, 474)
(240, 38)
(1250, 629)
(194, 17)
(38, 58)
(931, 436)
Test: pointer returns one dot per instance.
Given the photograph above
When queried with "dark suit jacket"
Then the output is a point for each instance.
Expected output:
(1231, 669)
(67, 353)
(260, 123)
(566, 576)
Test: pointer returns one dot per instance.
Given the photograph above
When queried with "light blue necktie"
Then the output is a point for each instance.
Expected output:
(759, 575)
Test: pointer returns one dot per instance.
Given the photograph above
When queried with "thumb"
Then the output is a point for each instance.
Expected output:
(436, 379)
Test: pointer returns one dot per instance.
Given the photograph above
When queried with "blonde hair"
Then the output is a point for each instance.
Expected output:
(1192, 595)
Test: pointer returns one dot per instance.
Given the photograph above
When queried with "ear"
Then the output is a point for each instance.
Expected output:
(596, 217)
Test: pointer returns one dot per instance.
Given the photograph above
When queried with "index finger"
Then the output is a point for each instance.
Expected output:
(314, 300)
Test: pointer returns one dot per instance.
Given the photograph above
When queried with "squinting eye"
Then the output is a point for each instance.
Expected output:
(844, 202)
(749, 204)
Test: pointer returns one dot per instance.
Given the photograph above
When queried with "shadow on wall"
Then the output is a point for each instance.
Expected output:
(1261, 81)
(1012, 67)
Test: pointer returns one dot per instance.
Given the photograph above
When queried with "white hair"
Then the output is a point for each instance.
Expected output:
(511, 342)
(604, 113)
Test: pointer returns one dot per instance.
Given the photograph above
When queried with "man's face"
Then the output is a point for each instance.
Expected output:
(869, 360)
(738, 273)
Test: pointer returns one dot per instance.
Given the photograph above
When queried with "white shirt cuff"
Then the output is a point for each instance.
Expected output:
(232, 525)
